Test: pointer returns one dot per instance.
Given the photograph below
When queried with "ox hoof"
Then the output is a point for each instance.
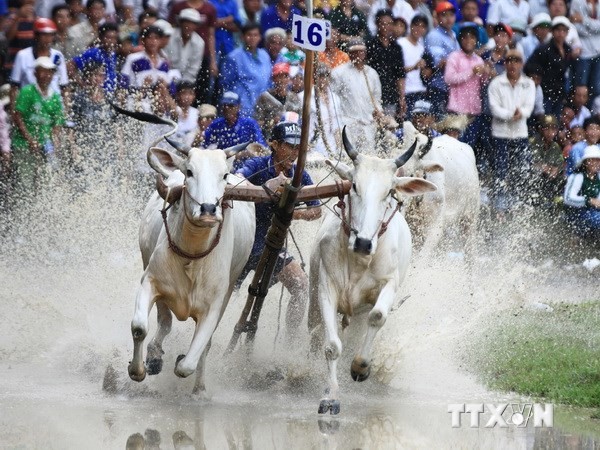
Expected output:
(333, 406)
(360, 371)
(180, 371)
(154, 366)
(327, 426)
(136, 375)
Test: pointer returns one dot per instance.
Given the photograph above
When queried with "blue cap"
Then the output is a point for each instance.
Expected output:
(286, 132)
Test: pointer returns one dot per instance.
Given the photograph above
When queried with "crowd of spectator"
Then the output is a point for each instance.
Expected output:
(524, 74)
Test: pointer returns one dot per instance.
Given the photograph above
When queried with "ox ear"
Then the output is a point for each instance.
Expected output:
(414, 186)
(164, 162)
(431, 166)
(344, 171)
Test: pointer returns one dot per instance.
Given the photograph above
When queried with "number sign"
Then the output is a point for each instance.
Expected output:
(310, 34)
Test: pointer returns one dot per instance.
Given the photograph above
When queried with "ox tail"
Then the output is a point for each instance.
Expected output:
(149, 118)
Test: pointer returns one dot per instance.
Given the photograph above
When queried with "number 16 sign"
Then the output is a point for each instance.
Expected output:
(310, 34)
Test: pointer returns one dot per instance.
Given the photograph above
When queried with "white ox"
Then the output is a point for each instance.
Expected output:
(362, 263)
(191, 262)
(450, 165)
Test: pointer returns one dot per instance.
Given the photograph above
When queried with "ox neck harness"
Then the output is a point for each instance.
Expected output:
(173, 246)
(347, 225)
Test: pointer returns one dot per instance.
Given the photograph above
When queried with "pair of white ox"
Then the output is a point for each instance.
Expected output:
(186, 251)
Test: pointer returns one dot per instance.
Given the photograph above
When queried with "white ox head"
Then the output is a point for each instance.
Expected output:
(204, 180)
(374, 181)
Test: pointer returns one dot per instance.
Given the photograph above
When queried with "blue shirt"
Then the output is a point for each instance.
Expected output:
(440, 43)
(224, 40)
(258, 171)
(219, 133)
(270, 19)
(248, 75)
(108, 61)
(575, 155)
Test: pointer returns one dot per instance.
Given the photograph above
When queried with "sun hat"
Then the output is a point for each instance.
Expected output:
(230, 98)
(541, 19)
(190, 14)
(45, 63)
(590, 152)
(561, 20)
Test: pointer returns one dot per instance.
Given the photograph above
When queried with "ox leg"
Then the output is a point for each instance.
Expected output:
(199, 385)
(315, 320)
(139, 329)
(361, 364)
(205, 327)
(333, 350)
(154, 360)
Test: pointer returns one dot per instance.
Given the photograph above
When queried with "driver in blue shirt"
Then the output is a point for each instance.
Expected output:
(284, 147)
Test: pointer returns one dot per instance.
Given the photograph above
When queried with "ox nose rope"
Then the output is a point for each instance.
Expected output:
(172, 245)
(383, 224)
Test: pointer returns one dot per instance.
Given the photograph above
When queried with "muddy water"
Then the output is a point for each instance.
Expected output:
(70, 268)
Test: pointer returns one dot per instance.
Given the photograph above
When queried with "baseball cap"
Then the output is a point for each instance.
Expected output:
(288, 132)
(44, 62)
(207, 110)
(422, 107)
(43, 25)
(561, 20)
(230, 98)
(503, 27)
(190, 14)
(356, 43)
(280, 68)
(541, 19)
(443, 7)
(518, 25)
(165, 26)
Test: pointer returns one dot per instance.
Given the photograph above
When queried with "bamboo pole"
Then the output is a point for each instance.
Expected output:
(280, 222)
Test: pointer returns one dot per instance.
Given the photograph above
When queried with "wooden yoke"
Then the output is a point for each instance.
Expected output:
(273, 189)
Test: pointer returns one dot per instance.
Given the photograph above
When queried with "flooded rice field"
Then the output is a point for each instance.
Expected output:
(69, 270)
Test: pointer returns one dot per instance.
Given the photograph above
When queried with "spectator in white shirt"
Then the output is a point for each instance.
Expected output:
(511, 97)
(185, 45)
(413, 48)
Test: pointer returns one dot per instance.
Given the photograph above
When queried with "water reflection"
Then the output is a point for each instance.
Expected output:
(258, 431)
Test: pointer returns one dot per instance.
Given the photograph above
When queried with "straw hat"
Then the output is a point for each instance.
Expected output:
(453, 122)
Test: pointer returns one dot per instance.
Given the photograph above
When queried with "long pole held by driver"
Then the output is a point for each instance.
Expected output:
(280, 223)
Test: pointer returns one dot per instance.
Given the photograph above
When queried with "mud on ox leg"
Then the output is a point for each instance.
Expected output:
(361, 364)
(155, 351)
(139, 330)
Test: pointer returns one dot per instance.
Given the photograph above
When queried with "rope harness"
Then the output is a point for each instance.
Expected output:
(346, 224)
(172, 245)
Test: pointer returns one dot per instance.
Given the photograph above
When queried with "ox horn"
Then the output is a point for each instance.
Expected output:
(180, 147)
(403, 158)
(230, 151)
(163, 190)
(350, 150)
